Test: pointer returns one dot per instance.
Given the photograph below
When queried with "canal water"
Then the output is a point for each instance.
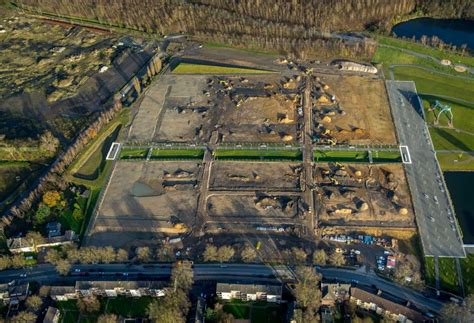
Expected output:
(450, 31)
(460, 185)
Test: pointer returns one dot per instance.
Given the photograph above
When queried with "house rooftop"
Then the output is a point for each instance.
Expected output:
(387, 305)
(85, 285)
(249, 288)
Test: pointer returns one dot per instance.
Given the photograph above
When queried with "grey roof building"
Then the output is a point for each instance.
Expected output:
(249, 292)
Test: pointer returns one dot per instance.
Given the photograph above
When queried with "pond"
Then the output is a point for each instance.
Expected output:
(451, 31)
(462, 194)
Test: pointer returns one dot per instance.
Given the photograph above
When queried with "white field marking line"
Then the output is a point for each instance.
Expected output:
(406, 158)
(115, 144)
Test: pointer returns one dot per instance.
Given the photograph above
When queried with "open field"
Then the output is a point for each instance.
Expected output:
(233, 175)
(14, 173)
(427, 50)
(434, 83)
(361, 114)
(189, 68)
(50, 58)
(373, 195)
(146, 200)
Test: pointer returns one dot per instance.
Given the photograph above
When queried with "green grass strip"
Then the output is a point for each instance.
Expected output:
(133, 153)
(177, 153)
(341, 156)
(188, 68)
(258, 154)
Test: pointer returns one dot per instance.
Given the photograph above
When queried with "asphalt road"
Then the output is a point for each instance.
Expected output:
(45, 274)
(434, 212)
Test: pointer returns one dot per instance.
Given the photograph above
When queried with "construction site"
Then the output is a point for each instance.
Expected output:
(351, 109)
(363, 195)
(254, 176)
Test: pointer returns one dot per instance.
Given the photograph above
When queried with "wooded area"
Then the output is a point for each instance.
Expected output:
(295, 26)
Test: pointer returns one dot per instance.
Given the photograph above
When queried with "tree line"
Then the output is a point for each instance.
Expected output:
(53, 179)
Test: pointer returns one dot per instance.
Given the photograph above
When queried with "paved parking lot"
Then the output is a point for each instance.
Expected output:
(435, 217)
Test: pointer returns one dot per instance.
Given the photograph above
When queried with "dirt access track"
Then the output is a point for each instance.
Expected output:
(145, 201)
(365, 103)
(363, 195)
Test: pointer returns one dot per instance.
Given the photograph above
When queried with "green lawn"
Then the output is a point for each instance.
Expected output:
(122, 306)
(417, 47)
(389, 56)
(177, 153)
(96, 162)
(341, 155)
(386, 156)
(126, 306)
(239, 311)
(463, 113)
(448, 277)
(455, 161)
(435, 83)
(256, 154)
(467, 268)
(269, 313)
(188, 68)
(133, 153)
(450, 139)
(430, 271)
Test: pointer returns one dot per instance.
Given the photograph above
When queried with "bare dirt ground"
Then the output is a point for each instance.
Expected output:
(151, 198)
(173, 109)
(269, 176)
(360, 194)
(366, 118)
(257, 108)
(241, 207)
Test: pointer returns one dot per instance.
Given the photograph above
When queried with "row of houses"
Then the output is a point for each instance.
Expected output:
(108, 289)
(249, 292)
(378, 302)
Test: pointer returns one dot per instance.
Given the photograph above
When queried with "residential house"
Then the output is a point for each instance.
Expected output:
(63, 293)
(54, 229)
(117, 288)
(52, 315)
(334, 293)
(247, 292)
(21, 245)
(385, 307)
(13, 293)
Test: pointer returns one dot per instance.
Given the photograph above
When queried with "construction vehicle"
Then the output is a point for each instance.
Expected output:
(340, 166)
(333, 180)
